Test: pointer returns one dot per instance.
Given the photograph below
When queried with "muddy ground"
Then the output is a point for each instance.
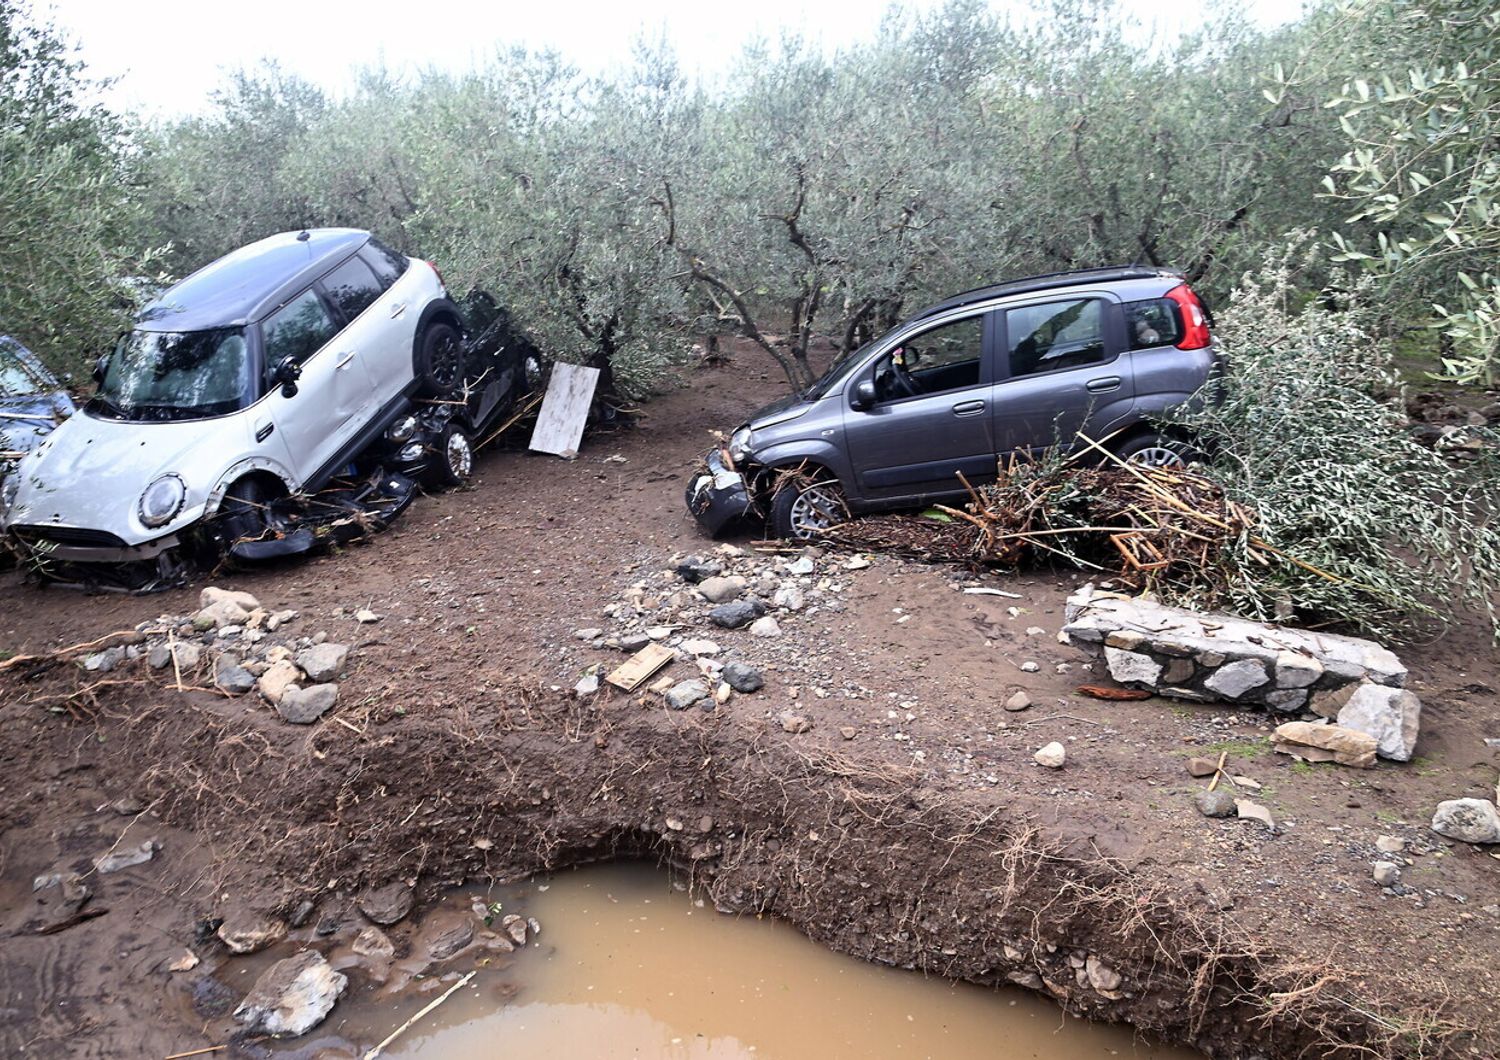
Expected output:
(908, 825)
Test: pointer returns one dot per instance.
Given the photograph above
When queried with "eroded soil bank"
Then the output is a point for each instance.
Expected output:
(908, 825)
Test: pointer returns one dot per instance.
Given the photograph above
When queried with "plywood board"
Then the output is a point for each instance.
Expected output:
(629, 675)
(559, 426)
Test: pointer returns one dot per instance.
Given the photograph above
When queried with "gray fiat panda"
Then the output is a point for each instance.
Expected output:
(1017, 367)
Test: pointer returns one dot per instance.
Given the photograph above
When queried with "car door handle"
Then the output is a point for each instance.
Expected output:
(968, 408)
(1103, 385)
(397, 310)
(344, 361)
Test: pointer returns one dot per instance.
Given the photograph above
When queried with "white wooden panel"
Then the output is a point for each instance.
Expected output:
(565, 409)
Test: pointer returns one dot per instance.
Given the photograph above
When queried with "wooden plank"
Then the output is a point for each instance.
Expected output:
(628, 675)
(559, 426)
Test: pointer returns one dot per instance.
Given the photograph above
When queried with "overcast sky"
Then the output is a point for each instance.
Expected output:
(170, 54)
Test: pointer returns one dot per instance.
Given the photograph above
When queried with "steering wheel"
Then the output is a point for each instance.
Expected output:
(905, 385)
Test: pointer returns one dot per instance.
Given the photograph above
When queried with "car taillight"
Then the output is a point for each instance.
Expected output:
(1195, 334)
(438, 271)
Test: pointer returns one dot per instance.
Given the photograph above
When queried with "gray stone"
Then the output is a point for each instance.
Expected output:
(634, 642)
(737, 614)
(1053, 756)
(1178, 671)
(386, 905)
(1233, 680)
(695, 569)
(1287, 700)
(586, 686)
(1387, 873)
(722, 590)
(1467, 820)
(1390, 844)
(789, 597)
(104, 661)
(1217, 803)
(515, 927)
(1392, 715)
(1018, 702)
(794, 723)
(292, 996)
(685, 694)
(323, 662)
(372, 942)
(1295, 670)
(765, 626)
(445, 933)
(742, 677)
(303, 706)
(591, 633)
(116, 860)
(700, 646)
(246, 931)
(1129, 667)
(231, 677)
(803, 565)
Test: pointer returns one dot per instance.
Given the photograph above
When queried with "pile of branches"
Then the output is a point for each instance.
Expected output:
(1150, 528)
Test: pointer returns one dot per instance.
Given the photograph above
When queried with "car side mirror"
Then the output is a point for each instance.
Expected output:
(285, 375)
(863, 396)
(100, 367)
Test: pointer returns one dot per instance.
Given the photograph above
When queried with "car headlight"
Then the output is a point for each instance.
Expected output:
(402, 430)
(739, 444)
(162, 500)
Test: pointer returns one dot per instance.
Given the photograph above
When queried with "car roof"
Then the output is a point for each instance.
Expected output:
(1049, 281)
(247, 284)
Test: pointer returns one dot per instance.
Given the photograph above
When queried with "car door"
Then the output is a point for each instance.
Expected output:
(909, 445)
(392, 323)
(333, 397)
(1061, 372)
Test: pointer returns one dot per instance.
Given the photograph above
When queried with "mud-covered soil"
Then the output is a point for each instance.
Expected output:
(909, 825)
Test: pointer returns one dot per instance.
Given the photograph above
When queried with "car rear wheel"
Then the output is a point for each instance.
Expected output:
(440, 360)
(803, 511)
(1156, 450)
(452, 462)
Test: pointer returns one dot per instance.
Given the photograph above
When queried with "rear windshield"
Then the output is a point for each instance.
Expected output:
(1152, 322)
(176, 375)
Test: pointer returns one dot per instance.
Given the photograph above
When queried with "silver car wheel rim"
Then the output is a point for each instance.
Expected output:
(460, 456)
(816, 509)
(1156, 456)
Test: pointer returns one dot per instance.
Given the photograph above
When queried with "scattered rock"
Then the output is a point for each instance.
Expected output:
(695, 569)
(1254, 811)
(801, 566)
(445, 933)
(231, 677)
(188, 655)
(742, 677)
(1233, 680)
(1390, 844)
(386, 905)
(221, 614)
(700, 646)
(303, 706)
(1201, 767)
(586, 686)
(1029, 667)
(634, 642)
(685, 694)
(211, 595)
(1325, 743)
(789, 597)
(1128, 667)
(515, 927)
(591, 633)
(1053, 756)
(659, 632)
(104, 661)
(364, 616)
(1100, 975)
(322, 662)
(1387, 873)
(281, 675)
(856, 563)
(794, 723)
(124, 859)
(722, 590)
(1018, 702)
(292, 996)
(737, 614)
(848, 732)
(372, 942)
(1216, 803)
(765, 626)
(186, 962)
(246, 931)
(1467, 820)
(1392, 716)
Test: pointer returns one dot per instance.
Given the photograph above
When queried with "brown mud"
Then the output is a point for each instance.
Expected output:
(927, 840)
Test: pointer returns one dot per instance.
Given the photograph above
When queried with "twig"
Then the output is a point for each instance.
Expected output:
(21, 660)
(1218, 770)
(198, 1052)
(373, 1053)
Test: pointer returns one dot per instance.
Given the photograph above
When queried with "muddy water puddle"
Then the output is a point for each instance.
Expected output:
(626, 966)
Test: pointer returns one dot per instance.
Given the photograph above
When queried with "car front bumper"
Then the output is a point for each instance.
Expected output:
(719, 495)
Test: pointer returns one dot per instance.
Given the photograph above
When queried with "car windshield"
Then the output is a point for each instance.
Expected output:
(841, 367)
(176, 375)
(15, 377)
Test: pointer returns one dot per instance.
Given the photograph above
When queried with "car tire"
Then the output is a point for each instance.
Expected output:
(452, 460)
(439, 365)
(801, 510)
(242, 512)
(1155, 449)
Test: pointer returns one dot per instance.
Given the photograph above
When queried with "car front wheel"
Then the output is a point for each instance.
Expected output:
(452, 462)
(804, 511)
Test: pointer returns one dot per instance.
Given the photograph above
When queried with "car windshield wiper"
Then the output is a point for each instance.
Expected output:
(108, 407)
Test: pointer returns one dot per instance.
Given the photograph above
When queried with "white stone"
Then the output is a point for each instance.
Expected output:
(1053, 756)
(700, 647)
(292, 996)
(788, 597)
(1392, 715)
(1128, 666)
(1467, 820)
(1234, 679)
(212, 594)
(765, 626)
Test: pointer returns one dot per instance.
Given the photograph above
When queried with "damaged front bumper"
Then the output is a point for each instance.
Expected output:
(718, 495)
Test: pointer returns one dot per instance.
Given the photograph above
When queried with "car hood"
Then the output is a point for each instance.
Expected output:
(91, 472)
(779, 411)
(24, 435)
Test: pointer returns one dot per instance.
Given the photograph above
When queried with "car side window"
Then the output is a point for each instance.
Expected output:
(1054, 335)
(1152, 322)
(297, 330)
(352, 288)
(943, 358)
(388, 264)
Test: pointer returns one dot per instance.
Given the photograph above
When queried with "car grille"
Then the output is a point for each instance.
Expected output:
(73, 536)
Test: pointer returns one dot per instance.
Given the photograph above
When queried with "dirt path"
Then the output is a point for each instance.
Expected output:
(908, 825)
